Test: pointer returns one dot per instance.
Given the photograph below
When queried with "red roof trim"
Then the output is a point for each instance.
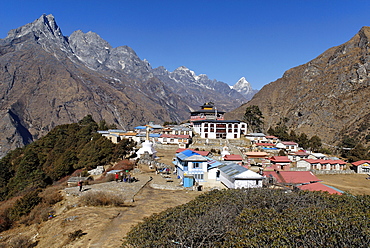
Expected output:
(357, 163)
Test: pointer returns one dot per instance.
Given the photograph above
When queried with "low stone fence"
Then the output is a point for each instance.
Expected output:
(331, 172)
(153, 163)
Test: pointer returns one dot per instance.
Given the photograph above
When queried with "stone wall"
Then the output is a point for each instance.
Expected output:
(328, 172)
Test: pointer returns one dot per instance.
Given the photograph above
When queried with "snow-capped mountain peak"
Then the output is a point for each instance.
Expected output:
(244, 87)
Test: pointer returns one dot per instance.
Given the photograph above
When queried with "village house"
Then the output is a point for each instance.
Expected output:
(233, 158)
(280, 163)
(272, 139)
(114, 135)
(192, 167)
(257, 158)
(234, 176)
(303, 180)
(314, 155)
(177, 130)
(256, 138)
(265, 146)
(289, 146)
(321, 164)
(299, 155)
(174, 139)
(362, 166)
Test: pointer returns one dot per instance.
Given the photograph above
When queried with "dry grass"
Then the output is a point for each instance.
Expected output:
(356, 184)
(102, 199)
(166, 155)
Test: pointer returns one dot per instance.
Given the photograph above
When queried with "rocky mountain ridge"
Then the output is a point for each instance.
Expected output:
(47, 79)
(329, 96)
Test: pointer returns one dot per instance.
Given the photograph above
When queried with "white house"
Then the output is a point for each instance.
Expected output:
(320, 164)
(178, 130)
(174, 139)
(201, 169)
(362, 166)
(288, 145)
(256, 138)
(234, 176)
(220, 129)
(191, 163)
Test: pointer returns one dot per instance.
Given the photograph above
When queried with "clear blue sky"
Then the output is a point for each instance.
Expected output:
(226, 40)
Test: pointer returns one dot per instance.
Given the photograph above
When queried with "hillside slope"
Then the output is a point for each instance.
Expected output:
(328, 96)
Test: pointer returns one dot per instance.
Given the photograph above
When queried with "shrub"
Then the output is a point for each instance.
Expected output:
(75, 235)
(22, 241)
(259, 218)
(24, 205)
(102, 199)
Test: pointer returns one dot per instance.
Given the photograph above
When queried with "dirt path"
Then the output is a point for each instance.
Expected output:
(147, 202)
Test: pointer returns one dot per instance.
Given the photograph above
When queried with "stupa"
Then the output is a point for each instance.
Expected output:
(147, 149)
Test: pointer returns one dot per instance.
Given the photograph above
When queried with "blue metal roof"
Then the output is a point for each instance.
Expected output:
(185, 154)
(212, 163)
(152, 135)
(140, 127)
(117, 130)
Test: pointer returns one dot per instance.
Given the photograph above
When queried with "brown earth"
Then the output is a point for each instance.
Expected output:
(356, 184)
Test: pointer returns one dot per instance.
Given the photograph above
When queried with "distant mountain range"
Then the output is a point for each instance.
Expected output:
(48, 79)
(329, 96)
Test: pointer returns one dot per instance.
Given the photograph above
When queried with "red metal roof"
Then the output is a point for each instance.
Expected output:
(265, 144)
(292, 177)
(300, 153)
(324, 161)
(289, 143)
(233, 157)
(280, 159)
(357, 163)
(319, 187)
(271, 137)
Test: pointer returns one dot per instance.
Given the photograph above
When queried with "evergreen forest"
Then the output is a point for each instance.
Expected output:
(62, 151)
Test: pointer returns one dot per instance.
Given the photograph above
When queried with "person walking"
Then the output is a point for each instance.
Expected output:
(79, 184)
(117, 177)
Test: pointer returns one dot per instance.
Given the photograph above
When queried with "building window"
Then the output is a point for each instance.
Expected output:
(198, 176)
(196, 165)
